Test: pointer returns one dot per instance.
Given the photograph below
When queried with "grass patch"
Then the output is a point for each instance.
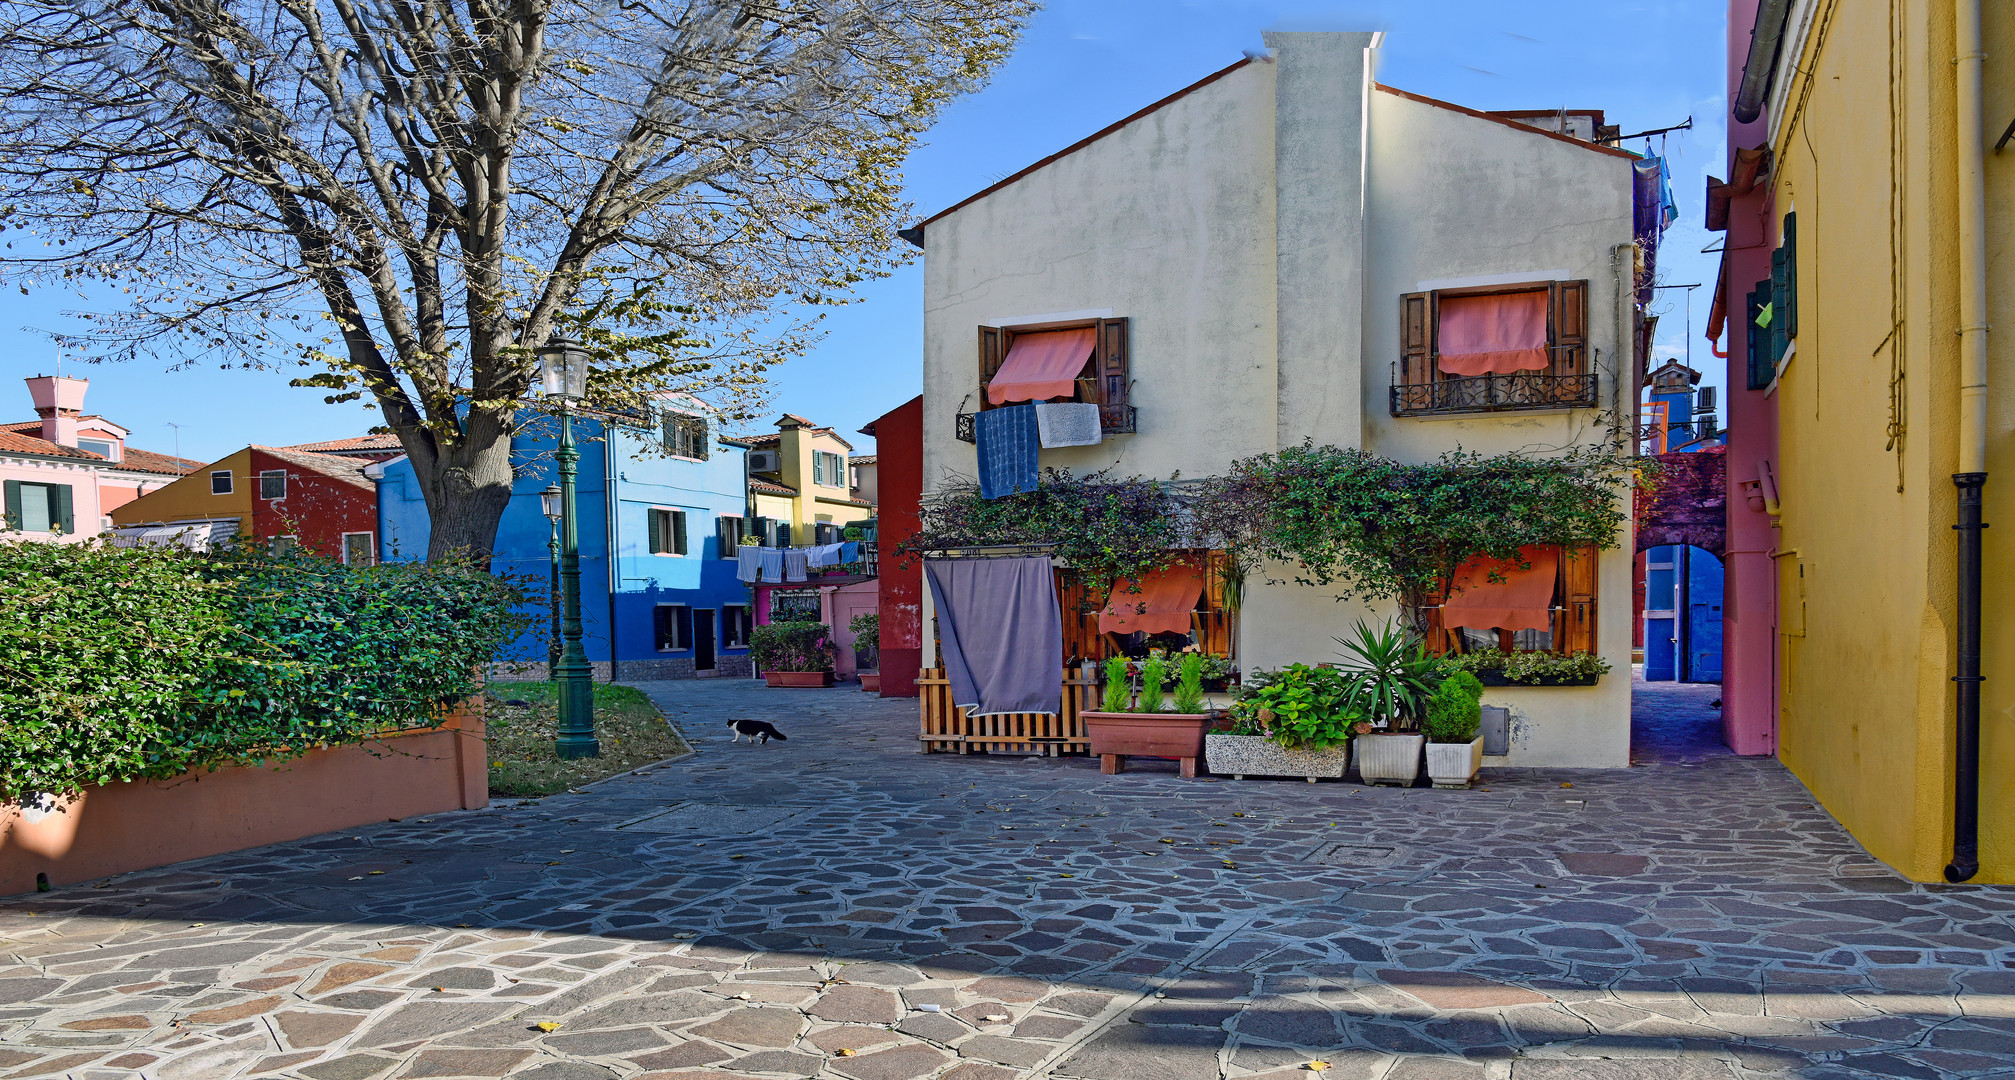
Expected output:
(632, 731)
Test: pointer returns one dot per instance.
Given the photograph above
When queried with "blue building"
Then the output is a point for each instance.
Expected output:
(1682, 585)
(668, 502)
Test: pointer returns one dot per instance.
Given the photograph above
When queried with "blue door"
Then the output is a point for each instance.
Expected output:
(1703, 617)
(1662, 604)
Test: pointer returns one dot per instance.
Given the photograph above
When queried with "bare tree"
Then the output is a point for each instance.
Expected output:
(412, 195)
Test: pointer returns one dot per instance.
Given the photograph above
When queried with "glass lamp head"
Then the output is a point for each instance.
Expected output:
(549, 501)
(563, 369)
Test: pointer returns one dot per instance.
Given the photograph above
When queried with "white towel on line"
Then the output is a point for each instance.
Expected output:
(1068, 423)
(748, 563)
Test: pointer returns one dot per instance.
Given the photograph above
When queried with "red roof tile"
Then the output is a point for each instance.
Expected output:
(380, 442)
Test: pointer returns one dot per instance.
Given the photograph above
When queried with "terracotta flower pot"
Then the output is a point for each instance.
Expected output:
(798, 678)
(1118, 736)
(871, 682)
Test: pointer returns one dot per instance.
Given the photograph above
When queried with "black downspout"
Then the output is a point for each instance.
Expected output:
(1966, 782)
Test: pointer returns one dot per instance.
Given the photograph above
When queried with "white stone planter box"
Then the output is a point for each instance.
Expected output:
(1389, 759)
(1257, 755)
(1454, 765)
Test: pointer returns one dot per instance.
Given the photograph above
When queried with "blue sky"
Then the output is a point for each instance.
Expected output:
(1081, 65)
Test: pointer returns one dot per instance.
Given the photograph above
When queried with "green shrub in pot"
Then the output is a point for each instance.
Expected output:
(1189, 697)
(1390, 675)
(1454, 710)
(1300, 707)
(791, 646)
(1153, 678)
(1118, 694)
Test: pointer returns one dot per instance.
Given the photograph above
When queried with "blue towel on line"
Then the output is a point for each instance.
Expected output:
(850, 552)
(1009, 441)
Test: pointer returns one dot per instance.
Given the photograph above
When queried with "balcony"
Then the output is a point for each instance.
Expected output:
(1494, 393)
(1113, 420)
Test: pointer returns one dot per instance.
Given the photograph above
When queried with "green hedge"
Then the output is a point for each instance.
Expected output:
(134, 663)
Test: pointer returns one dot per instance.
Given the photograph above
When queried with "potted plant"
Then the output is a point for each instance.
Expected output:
(792, 653)
(1453, 715)
(1390, 679)
(867, 631)
(1126, 727)
(1495, 667)
(1295, 722)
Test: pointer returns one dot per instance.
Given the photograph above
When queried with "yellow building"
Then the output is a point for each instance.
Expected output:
(1886, 208)
(800, 479)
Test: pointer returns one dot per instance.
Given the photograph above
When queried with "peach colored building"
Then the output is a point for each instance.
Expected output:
(65, 472)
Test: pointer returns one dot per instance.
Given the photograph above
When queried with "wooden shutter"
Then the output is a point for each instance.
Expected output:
(654, 525)
(993, 349)
(783, 534)
(678, 518)
(702, 446)
(1761, 370)
(1114, 369)
(1790, 247)
(1577, 594)
(59, 509)
(1780, 338)
(1569, 319)
(729, 529)
(683, 626)
(13, 505)
(1416, 339)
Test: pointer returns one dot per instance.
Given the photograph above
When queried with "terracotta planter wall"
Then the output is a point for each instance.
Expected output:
(798, 678)
(1118, 736)
(124, 827)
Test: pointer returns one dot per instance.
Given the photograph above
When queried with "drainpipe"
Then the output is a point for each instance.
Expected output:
(1972, 474)
(610, 506)
(1764, 41)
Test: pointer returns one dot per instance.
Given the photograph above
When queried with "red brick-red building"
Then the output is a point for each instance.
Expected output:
(899, 449)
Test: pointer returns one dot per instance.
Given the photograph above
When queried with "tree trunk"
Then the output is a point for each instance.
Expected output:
(467, 485)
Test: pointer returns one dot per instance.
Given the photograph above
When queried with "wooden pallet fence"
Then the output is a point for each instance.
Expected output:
(947, 729)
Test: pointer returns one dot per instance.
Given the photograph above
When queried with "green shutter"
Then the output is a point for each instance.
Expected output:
(14, 505)
(1779, 286)
(1789, 310)
(1760, 370)
(656, 530)
(60, 517)
(678, 531)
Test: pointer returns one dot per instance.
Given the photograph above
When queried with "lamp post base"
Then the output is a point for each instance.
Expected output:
(575, 748)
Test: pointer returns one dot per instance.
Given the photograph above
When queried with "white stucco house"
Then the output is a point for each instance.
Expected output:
(1262, 258)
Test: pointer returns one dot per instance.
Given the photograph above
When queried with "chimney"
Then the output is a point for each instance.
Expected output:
(59, 401)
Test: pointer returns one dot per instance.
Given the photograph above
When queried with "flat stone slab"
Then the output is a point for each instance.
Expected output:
(717, 820)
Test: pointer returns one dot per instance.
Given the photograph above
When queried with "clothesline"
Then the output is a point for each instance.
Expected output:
(776, 565)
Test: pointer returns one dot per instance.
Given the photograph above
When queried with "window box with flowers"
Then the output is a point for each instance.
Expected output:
(795, 653)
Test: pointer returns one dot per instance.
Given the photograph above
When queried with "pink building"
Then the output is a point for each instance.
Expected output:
(65, 471)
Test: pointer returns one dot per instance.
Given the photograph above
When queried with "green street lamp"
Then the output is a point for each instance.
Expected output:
(549, 502)
(563, 371)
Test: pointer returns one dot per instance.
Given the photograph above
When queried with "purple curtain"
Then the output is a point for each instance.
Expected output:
(1001, 633)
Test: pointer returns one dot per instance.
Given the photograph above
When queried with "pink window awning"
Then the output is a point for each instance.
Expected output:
(1522, 600)
(1162, 606)
(1042, 365)
(1496, 334)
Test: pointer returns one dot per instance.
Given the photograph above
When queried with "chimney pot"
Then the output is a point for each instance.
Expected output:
(59, 401)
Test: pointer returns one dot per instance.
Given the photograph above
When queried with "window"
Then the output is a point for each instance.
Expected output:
(1487, 348)
(273, 484)
(283, 545)
(1559, 587)
(686, 436)
(39, 508)
(825, 533)
(672, 627)
(783, 534)
(854, 482)
(794, 604)
(828, 469)
(220, 482)
(667, 531)
(104, 448)
(735, 626)
(358, 550)
(729, 529)
(1773, 311)
(1105, 380)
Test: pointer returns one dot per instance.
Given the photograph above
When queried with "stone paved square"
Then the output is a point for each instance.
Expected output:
(839, 905)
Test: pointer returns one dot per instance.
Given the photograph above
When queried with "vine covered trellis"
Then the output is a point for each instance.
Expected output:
(1367, 526)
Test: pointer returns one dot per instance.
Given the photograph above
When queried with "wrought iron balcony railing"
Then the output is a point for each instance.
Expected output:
(1112, 420)
(1494, 393)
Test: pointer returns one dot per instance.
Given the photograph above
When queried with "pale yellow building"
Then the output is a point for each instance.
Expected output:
(1879, 400)
(799, 480)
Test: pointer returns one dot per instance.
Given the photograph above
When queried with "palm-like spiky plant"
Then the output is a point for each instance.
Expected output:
(1391, 676)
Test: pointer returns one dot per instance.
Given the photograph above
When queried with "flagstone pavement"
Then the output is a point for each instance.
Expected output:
(839, 905)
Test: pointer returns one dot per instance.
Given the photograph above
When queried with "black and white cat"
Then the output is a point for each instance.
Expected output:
(756, 730)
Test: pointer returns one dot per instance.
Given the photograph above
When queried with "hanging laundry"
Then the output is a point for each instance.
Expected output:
(748, 563)
(773, 564)
(850, 552)
(1000, 630)
(1008, 443)
(794, 564)
(1068, 423)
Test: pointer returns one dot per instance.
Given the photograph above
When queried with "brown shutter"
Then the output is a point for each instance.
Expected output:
(1112, 362)
(1570, 328)
(992, 350)
(1577, 594)
(1416, 339)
